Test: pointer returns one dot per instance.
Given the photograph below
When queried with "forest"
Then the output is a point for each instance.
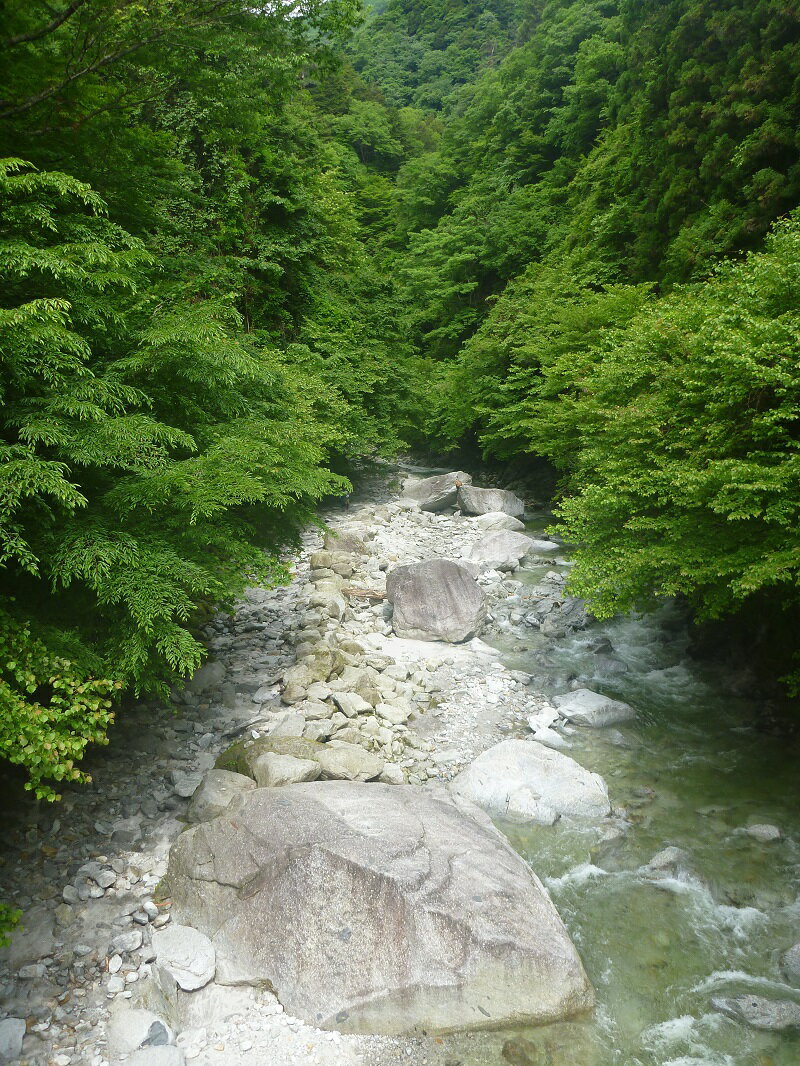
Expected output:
(245, 245)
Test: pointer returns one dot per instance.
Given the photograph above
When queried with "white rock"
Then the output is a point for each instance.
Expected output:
(502, 550)
(585, 707)
(765, 834)
(272, 770)
(473, 500)
(187, 954)
(499, 520)
(12, 1030)
(351, 704)
(524, 780)
(215, 792)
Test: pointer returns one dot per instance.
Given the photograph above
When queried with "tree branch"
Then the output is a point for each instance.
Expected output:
(107, 60)
(35, 35)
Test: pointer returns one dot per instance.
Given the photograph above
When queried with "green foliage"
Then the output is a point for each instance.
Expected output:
(49, 710)
(9, 920)
(686, 474)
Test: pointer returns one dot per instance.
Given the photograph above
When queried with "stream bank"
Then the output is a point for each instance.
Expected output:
(711, 918)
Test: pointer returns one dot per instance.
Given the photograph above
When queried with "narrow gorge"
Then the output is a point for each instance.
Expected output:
(299, 867)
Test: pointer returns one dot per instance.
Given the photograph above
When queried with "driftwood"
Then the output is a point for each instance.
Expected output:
(364, 594)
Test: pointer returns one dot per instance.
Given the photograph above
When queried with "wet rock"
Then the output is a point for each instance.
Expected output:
(493, 520)
(274, 771)
(522, 1052)
(12, 1031)
(472, 500)
(521, 779)
(215, 792)
(187, 954)
(435, 600)
(790, 964)
(412, 899)
(764, 834)
(585, 707)
(501, 550)
(775, 1015)
(436, 493)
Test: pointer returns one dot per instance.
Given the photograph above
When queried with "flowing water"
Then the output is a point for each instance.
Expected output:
(692, 772)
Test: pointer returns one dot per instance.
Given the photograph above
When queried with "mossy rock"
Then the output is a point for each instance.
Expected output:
(240, 757)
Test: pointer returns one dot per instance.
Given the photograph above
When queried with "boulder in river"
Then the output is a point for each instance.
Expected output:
(500, 550)
(776, 1015)
(586, 707)
(436, 493)
(790, 964)
(472, 500)
(526, 781)
(498, 520)
(377, 909)
(435, 600)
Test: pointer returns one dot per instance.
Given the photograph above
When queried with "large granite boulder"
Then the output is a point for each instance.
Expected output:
(501, 550)
(482, 501)
(586, 707)
(376, 909)
(527, 781)
(435, 600)
(436, 493)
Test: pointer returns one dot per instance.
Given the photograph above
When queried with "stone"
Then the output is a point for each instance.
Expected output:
(390, 712)
(240, 757)
(126, 942)
(209, 676)
(187, 954)
(186, 784)
(214, 794)
(287, 724)
(351, 704)
(32, 940)
(436, 600)
(348, 762)
(274, 771)
(12, 1031)
(392, 775)
(472, 500)
(523, 780)
(320, 731)
(585, 707)
(764, 834)
(502, 550)
(346, 540)
(790, 964)
(498, 520)
(436, 493)
(775, 1015)
(131, 1028)
(425, 915)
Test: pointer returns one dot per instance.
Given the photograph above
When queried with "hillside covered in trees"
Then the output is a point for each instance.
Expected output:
(243, 245)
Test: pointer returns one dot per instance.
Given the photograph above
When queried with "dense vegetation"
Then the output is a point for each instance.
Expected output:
(242, 245)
